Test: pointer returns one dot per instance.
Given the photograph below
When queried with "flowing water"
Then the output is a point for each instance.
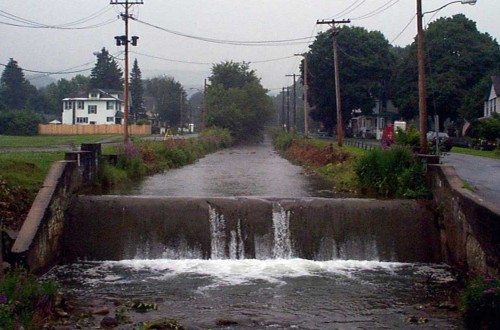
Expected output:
(271, 288)
(253, 170)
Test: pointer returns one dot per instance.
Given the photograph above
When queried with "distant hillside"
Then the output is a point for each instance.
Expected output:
(40, 81)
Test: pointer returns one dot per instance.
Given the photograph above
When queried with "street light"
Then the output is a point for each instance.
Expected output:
(422, 106)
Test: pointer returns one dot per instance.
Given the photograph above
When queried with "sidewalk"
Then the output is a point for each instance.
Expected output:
(483, 174)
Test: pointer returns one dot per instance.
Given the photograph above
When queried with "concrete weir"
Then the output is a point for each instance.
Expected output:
(126, 227)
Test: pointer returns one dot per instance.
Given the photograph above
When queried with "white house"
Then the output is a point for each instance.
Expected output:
(97, 107)
(492, 103)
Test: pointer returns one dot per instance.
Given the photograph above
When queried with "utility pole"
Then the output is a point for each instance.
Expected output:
(181, 120)
(306, 112)
(294, 127)
(288, 109)
(422, 97)
(283, 121)
(335, 32)
(124, 40)
(204, 109)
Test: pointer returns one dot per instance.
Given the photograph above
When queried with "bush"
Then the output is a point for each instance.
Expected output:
(395, 172)
(481, 304)
(409, 138)
(19, 122)
(24, 301)
(283, 140)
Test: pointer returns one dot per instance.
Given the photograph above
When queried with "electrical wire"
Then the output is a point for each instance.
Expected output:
(378, 10)
(404, 29)
(349, 9)
(283, 42)
(26, 23)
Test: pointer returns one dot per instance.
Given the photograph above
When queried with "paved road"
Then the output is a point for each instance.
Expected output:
(482, 173)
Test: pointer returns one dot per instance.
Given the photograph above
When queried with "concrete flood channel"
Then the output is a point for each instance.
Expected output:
(274, 255)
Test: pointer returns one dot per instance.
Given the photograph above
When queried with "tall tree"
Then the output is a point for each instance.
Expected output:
(15, 90)
(365, 62)
(136, 91)
(237, 101)
(167, 92)
(106, 73)
(458, 57)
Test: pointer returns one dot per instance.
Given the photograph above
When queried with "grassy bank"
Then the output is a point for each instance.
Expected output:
(392, 173)
(322, 157)
(495, 154)
(22, 173)
(52, 140)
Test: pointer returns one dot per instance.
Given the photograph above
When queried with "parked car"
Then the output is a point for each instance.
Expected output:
(445, 142)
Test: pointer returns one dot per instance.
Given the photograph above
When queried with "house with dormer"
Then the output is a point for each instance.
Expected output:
(96, 107)
(492, 103)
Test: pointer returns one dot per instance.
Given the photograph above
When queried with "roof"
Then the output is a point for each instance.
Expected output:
(105, 94)
(495, 80)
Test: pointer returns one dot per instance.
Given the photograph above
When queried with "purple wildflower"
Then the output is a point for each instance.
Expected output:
(3, 298)
(488, 292)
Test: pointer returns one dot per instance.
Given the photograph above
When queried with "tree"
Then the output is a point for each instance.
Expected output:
(365, 62)
(136, 91)
(237, 101)
(55, 92)
(106, 74)
(15, 90)
(167, 92)
(458, 57)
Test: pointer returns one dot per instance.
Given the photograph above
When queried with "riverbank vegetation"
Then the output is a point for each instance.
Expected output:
(134, 161)
(395, 172)
(322, 157)
(25, 302)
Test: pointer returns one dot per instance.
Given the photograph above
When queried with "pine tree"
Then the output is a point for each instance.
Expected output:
(106, 74)
(136, 91)
(14, 88)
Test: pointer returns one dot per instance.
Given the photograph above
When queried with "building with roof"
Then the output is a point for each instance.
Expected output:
(97, 107)
(492, 102)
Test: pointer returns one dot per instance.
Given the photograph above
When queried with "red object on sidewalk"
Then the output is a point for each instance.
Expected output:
(388, 136)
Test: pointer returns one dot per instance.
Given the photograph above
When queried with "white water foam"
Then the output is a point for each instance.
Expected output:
(281, 225)
(240, 272)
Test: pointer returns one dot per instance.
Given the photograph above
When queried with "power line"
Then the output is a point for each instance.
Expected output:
(348, 10)
(283, 42)
(404, 29)
(26, 23)
(378, 10)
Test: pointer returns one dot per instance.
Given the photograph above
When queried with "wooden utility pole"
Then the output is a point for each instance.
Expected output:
(181, 119)
(335, 32)
(422, 97)
(124, 40)
(294, 120)
(288, 109)
(283, 121)
(204, 109)
(306, 112)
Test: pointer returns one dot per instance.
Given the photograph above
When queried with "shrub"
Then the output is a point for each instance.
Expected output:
(24, 301)
(19, 122)
(391, 173)
(481, 304)
(409, 138)
(283, 140)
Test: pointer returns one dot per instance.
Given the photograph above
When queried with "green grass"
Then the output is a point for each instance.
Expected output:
(51, 140)
(495, 154)
(27, 169)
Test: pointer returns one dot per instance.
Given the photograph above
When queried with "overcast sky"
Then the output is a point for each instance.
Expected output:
(53, 50)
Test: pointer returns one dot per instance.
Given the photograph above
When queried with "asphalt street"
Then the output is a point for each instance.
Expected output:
(480, 172)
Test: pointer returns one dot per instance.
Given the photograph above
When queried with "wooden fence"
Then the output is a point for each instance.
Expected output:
(59, 129)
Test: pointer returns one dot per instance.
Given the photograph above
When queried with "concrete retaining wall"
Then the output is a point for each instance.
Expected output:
(469, 225)
(58, 129)
(39, 243)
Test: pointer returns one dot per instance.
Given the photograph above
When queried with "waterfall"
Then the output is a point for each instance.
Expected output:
(217, 235)
(281, 224)
(237, 247)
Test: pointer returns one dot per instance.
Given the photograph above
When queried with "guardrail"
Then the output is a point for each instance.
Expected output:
(361, 144)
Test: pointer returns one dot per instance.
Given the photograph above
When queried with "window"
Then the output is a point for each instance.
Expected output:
(94, 95)
(79, 105)
(67, 105)
(82, 120)
(110, 105)
(92, 109)
(110, 119)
